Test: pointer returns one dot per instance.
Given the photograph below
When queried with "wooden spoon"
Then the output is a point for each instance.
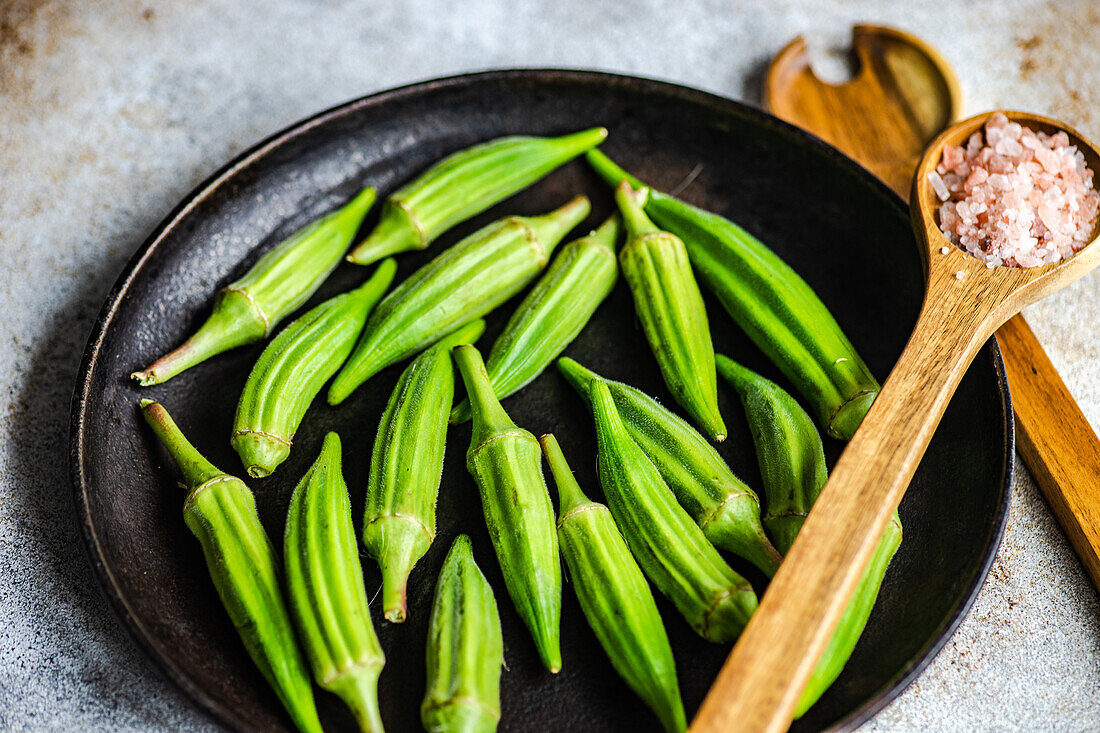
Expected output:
(964, 303)
(901, 97)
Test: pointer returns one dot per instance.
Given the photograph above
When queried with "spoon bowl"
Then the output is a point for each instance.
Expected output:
(965, 302)
(1014, 287)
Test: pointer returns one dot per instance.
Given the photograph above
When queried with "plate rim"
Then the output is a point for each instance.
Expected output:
(105, 579)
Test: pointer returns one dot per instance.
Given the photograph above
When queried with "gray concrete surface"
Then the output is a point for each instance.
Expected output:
(110, 111)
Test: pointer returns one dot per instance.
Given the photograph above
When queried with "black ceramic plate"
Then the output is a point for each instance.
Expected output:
(834, 223)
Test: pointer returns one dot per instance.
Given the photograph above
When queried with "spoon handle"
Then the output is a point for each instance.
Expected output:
(762, 679)
(1055, 440)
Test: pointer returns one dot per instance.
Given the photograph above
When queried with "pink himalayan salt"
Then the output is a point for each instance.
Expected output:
(1015, 197)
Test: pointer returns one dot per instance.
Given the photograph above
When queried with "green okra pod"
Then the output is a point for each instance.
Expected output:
(723, 506)
(465, 649)
(669, 305)
(792, 466)
(248, 310)
(325, 584)
(407, 464)
(293, 368)
(465, 184)
(506, 463)
(788, 449)
(553, 313)
(771, 303)
(614, 595)
(670, 548)
(221, 512)
(463, 283)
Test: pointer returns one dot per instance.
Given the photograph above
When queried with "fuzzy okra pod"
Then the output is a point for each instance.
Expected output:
(463, 283)
(788, 449)
(770, 302)
(465, 184)
(792, 466)
(248, 310)
(407, 464)
(465, 649)
(670, 548)
(669, 305)
(723, 506)
(293, 368)
(325, 584)
(506, 463)
(221, 512)
(614, 595)
(553, 313)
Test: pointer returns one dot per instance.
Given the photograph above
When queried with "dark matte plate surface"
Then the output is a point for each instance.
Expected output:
(845, 232)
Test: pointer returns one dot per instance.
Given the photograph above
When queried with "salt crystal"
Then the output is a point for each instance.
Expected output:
(1014, 196)
(938, 185)
(960, 275)
(952, 156)
(1008, 146)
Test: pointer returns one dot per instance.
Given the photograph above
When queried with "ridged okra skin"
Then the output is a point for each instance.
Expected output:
(723, 506)
(463, 185)
(553, 313)
(792, 464)
(294, 367)
(788, 449)
(325, 584)
(221, 512)
(249, 309)
(670, 307)
(770, 302)
(506, 463)
(407, 464)
(463, 283)
(465, 649)
(614, 595)
(668, 546)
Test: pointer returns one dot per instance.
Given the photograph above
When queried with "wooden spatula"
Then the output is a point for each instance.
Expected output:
(964, 303)
(902, 96)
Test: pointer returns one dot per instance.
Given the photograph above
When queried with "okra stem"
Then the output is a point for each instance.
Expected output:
(195, 468)
(570, 495)
(630, 204)
(358, 688)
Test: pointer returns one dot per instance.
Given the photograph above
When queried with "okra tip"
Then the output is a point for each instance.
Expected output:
(464, 335)
(398, 543)
(579, 378)
(551, 228)
(397, 231)
(715, 426)
(607, 233)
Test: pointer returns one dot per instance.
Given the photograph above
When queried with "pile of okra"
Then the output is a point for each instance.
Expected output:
(671, 501)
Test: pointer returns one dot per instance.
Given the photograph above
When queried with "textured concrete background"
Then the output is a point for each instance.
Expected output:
(110, 111)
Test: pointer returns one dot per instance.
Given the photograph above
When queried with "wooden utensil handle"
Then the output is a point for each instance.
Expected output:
(1055, 439)
(763, 678)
